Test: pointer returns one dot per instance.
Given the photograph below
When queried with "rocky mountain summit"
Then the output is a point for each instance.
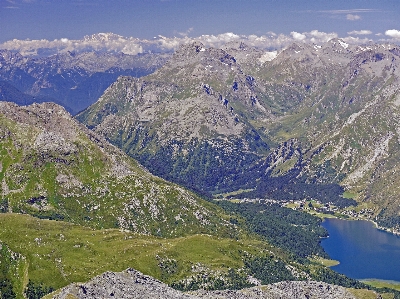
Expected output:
(133, 284)
(74, 80)
(313, 122)
(190, 111)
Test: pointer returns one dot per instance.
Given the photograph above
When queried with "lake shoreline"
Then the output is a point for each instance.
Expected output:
(382, 283)
(380, 280)
(352, 218)
(365, 252)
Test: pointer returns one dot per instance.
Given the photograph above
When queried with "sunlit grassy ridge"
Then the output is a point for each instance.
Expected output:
(58, 253)
(51, 167)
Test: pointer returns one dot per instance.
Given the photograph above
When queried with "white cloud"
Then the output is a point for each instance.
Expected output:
(15, 4)
(218, 40)
(355, 40)
(96, 42)
(186, 33)
(360, 32)
(321, 37)
(132, 49)
(393, 33)
(349, 11)
(352, 17)
(298, 36)
(129, 45)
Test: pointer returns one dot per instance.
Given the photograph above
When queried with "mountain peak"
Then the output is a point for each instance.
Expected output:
(187, 52)
(338, 44)
(10, 57)
(191, 47)
(102, 37)
(296, 50)
(236, 45)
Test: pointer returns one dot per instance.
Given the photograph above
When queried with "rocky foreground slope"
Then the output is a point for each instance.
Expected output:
(133, 284)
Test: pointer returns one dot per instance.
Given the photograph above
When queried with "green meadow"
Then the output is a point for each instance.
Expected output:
(58, 253)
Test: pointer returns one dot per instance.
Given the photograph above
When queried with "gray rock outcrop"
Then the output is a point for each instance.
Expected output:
(127, 284)
(131, 284)
(283, 290)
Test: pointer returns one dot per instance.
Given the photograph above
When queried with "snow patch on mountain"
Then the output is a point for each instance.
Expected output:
(268, 56)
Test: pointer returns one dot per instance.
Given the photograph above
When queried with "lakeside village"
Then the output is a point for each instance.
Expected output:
(322, 210)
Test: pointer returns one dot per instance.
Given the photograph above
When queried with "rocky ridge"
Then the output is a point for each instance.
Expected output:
(133, 284)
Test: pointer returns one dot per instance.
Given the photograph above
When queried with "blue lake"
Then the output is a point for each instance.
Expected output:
(362, 250)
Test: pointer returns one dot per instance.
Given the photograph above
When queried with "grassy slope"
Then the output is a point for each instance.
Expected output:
(383, 284)
(94, 184)
(59, 253)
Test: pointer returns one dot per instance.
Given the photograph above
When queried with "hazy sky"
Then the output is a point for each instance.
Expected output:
(72, 19)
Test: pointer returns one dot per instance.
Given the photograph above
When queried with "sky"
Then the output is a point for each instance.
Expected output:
(176, 20)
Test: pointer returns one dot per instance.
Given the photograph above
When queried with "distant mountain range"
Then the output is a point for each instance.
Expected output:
(73, 80)
(313, 122)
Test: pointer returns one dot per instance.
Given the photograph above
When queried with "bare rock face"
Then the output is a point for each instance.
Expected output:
(132, 284)
(283, 290)
(128, 284)
(48, 141)
(308, 289)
